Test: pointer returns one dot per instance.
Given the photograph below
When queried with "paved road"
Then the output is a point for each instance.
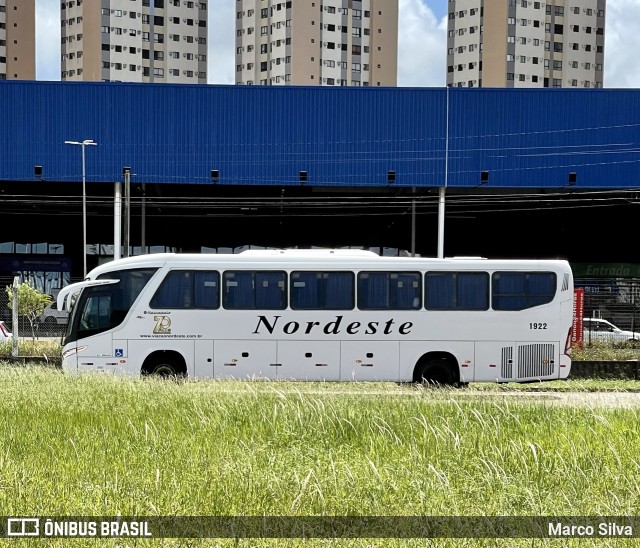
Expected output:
(574, 399)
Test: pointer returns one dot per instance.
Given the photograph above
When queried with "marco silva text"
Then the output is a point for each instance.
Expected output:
(602, 529)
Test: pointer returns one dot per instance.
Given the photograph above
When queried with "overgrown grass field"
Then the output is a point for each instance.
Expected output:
(97, 445)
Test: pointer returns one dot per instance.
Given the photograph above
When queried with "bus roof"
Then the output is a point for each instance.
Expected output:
(317, 258)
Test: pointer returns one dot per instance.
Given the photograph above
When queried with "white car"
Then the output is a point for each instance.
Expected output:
(52, 317)
(596, 329)
(5, 334)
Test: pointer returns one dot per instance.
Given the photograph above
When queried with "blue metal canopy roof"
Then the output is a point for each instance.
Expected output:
(351, 137)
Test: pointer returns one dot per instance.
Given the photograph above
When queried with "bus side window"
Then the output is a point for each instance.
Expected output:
(389, 290)
(521, 290)
(255, 290)
(456, 291)
(322, 290)
(205, 288)
(338, 290)
(173, 291)
(187, 289)
(96, 313)
(271, 290)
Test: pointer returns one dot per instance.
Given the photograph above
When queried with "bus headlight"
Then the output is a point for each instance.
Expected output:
(72, 351)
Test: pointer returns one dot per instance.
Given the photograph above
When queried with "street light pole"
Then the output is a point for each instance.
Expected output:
(83, 144)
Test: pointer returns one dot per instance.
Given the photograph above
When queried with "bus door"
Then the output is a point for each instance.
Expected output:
(309, 360)
(94, 318)
(88, 348)
(245, 359)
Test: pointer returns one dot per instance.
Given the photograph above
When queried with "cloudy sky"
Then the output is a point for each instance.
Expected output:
(422, 47)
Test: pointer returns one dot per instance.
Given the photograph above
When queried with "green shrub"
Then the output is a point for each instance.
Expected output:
(48, 349)
(600, 351)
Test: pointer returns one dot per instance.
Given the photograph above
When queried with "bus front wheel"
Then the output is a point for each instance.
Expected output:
(163, 366)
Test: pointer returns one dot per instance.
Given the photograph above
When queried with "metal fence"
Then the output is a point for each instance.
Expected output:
(50, 324)
(612, 299)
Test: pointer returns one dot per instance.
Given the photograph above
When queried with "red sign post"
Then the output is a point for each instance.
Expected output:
(577, 338)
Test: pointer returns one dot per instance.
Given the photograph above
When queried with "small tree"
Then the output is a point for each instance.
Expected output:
(31, 303)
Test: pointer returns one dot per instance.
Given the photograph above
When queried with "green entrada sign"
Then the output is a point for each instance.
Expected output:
(606, 270)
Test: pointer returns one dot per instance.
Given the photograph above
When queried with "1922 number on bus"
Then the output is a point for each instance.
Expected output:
(537, 325)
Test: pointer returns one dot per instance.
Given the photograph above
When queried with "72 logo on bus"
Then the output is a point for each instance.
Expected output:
(163, 325)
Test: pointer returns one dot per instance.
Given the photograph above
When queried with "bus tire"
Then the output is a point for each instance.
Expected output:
(164, 366)
(436, 372)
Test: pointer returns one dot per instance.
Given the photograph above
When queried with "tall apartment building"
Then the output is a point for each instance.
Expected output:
(520, 43)
(328, 42)
(17, 40)
(134, 41)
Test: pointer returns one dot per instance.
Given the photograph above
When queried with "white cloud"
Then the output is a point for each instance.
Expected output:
(47, 40)
(622, 44)
(222, 36)
(421, 48)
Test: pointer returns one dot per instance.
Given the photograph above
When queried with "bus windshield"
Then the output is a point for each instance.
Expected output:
(103, 307)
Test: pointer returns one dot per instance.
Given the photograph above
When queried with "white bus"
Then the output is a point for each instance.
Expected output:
(323, 315)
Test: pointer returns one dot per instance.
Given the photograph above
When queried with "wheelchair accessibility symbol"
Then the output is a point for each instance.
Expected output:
(119, 352)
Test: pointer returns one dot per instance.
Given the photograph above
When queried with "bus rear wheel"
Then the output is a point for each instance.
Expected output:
(436, 372)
